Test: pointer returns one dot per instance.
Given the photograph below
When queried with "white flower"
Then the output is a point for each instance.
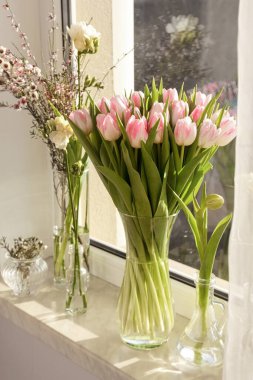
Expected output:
(60, 137)
(181, 24)
(37, 71)
(28, 66)
(84, 36)
(34, 95)
(6, 66)
(2, 50)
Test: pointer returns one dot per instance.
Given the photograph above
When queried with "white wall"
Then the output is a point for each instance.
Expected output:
(114, 20)
(25, 174)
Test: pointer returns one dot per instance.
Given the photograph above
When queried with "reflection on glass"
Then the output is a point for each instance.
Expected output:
(195, 42)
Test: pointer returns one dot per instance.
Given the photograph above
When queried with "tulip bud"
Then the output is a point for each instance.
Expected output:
(202, 99)
(170, 94)
(137, 97)
(82, 119)
(214, 201)
(108, 127)
(208, 134)
(159, 131)
(180, 109)
(216, 115)
(104, 105)
(136, 130)
(185, 131)
(227, 131)
(119, 105)
(158, 108)
(197, 113)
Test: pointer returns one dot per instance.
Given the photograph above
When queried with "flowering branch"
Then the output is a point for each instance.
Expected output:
(27, 248)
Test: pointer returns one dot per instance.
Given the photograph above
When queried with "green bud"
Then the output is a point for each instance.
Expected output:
(214, 201)
(77, 168)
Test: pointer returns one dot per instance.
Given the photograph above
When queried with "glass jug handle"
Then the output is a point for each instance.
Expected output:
(221, 320)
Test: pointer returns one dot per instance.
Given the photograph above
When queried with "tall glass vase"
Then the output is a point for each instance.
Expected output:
(145, 305)
(201, 343)
(60, 236)
(63, 227)
(77, 280)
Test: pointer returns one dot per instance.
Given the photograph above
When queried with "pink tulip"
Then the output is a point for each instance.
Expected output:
(170, 94)
(119, 105)
(137, 113)
(82, 119)
(227, 131)
(159, 132)
(208, 134)
(137, 97)
(108, 127)
(180, 109)
(158, 108)
(136, 130)
(202, 99)
(185, 131)
(216, 115)
(196, 113)
(104, 105)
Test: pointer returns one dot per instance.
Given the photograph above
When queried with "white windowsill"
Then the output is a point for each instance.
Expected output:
(92, 340)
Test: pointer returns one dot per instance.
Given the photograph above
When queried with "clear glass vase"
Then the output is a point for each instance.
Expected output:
(77, 281)
(63, 227)
(145, 305)
(201, 343)
(23, 276)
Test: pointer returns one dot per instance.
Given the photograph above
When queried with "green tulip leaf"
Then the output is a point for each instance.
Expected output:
(151, 136)
(207, 264)
(154, 182)
(187, 171)
(141, 201)
(121, 186)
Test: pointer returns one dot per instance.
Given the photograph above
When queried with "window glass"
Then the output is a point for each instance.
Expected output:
(195, 42)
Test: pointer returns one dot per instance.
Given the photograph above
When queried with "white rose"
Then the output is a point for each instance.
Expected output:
(84, 36)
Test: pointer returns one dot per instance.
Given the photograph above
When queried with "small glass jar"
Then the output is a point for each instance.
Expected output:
(24, 276)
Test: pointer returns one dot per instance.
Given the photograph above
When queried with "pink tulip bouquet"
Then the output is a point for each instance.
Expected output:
(145, 147)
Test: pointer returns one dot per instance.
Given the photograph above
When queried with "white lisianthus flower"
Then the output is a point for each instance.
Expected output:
(85, 37)
(60, 136)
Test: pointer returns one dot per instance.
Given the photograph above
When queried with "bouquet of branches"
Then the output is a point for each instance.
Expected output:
(66, 87)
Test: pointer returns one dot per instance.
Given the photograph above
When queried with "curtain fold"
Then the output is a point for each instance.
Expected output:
(238, 361)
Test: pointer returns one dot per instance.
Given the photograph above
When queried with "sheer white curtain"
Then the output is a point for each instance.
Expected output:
(238, 363)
